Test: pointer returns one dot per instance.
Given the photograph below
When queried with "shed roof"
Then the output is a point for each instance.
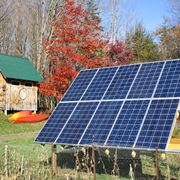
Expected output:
(18, 68)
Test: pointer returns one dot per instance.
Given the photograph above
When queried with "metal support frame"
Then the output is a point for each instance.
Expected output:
(54, 159)
(94, 161)
(157, 166)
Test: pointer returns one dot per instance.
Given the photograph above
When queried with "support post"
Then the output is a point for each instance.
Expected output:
(54, 159)
(6, 160)
(87, 160)
(94, 161)
(157, 168)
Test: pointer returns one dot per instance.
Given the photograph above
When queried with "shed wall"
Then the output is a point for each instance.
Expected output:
(21, 97)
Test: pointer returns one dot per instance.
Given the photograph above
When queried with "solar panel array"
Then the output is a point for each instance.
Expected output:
(131, 107)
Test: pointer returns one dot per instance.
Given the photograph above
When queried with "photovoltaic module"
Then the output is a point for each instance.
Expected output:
(130, 106)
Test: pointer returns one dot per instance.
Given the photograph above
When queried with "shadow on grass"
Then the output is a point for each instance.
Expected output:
(67, 159)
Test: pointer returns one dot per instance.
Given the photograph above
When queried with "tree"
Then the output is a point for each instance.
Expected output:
(75, 44)
(4, 9)
(174, 11)
(23, 26)
(144, 48)
(169, 44)
(119, 54)
(92, 9)
(169, 33)
(118, 16)
(5, 25)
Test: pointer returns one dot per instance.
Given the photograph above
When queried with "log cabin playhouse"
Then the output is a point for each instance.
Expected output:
(18, 84)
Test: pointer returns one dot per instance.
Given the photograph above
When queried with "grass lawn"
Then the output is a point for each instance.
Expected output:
(27, 148)
(36, 155)
(7, 127)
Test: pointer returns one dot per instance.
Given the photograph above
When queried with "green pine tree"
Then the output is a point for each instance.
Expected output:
(93, 10)
(144, 48)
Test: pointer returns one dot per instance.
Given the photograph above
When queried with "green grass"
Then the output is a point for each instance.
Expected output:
(7, 127)
(36, 154)
(27, 148)
(109, 177)
(88, 176)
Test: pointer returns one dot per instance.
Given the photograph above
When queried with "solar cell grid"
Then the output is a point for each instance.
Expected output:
(55, 123)
(169, 85)
(78, 87)
(129, 106)
(77, 123)
(101, 123)
(128, 123)
(157, 125)
(122, 82)
(146, 80)
(99, 84)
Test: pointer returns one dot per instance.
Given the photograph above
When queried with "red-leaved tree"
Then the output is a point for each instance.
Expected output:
(76, 43)
(119, 54)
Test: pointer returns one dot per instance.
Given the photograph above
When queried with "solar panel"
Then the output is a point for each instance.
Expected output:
(122, 82)
(56, 122)
(77, 123)
(101, 123)
(131, 107)
(79, 85)
(157, 125)
(169, 84)
(99, 84)
(128, 123)
(146, 80)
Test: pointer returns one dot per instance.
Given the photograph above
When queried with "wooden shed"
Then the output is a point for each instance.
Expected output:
(18, 84)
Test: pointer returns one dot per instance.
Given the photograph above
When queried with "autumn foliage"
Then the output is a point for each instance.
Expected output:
(76, 43)
(119, 54)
